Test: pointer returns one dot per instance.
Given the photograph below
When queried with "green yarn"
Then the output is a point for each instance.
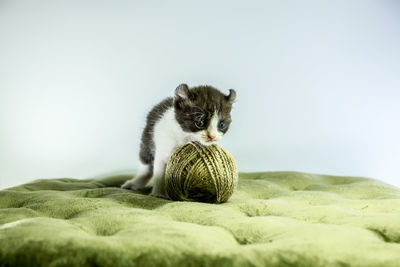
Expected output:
(201, 173)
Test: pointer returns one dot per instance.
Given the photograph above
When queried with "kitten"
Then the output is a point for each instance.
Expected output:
(197, 114)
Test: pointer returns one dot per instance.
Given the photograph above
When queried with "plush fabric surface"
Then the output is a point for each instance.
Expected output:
(272, 219)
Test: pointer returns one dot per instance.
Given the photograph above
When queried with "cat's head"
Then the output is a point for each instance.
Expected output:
(204, 112)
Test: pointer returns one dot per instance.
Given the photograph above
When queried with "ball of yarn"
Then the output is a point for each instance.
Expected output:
(196, 172)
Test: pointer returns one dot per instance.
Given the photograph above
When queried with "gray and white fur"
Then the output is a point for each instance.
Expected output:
(200, 114)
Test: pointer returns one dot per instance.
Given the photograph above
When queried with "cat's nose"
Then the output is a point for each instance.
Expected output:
(211, 135)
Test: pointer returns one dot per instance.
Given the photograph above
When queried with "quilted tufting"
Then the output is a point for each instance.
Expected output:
(272, 219)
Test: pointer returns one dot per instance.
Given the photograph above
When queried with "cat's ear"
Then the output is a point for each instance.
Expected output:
(232, 96)
(182, 92)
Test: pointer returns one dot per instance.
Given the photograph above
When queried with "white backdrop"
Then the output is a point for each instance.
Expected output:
(318, 82)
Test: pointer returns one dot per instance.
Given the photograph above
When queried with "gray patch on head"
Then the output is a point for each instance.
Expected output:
(200, 103)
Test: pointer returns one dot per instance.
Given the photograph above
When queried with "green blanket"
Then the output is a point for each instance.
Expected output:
(272, 219)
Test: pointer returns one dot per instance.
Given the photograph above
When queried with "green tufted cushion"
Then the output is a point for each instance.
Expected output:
(272, 219)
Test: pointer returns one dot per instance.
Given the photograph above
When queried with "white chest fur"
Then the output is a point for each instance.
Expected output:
(167, 135)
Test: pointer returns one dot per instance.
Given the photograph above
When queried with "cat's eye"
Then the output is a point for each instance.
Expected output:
(221, 125)
(199, 124)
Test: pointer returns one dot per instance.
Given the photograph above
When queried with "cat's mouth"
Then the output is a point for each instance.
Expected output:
(206, 142)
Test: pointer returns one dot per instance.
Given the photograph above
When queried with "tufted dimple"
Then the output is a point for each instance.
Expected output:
(386, 235)
(272, 219)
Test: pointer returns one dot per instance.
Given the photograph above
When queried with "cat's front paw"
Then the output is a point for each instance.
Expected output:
(130, 185)
(159, 195)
